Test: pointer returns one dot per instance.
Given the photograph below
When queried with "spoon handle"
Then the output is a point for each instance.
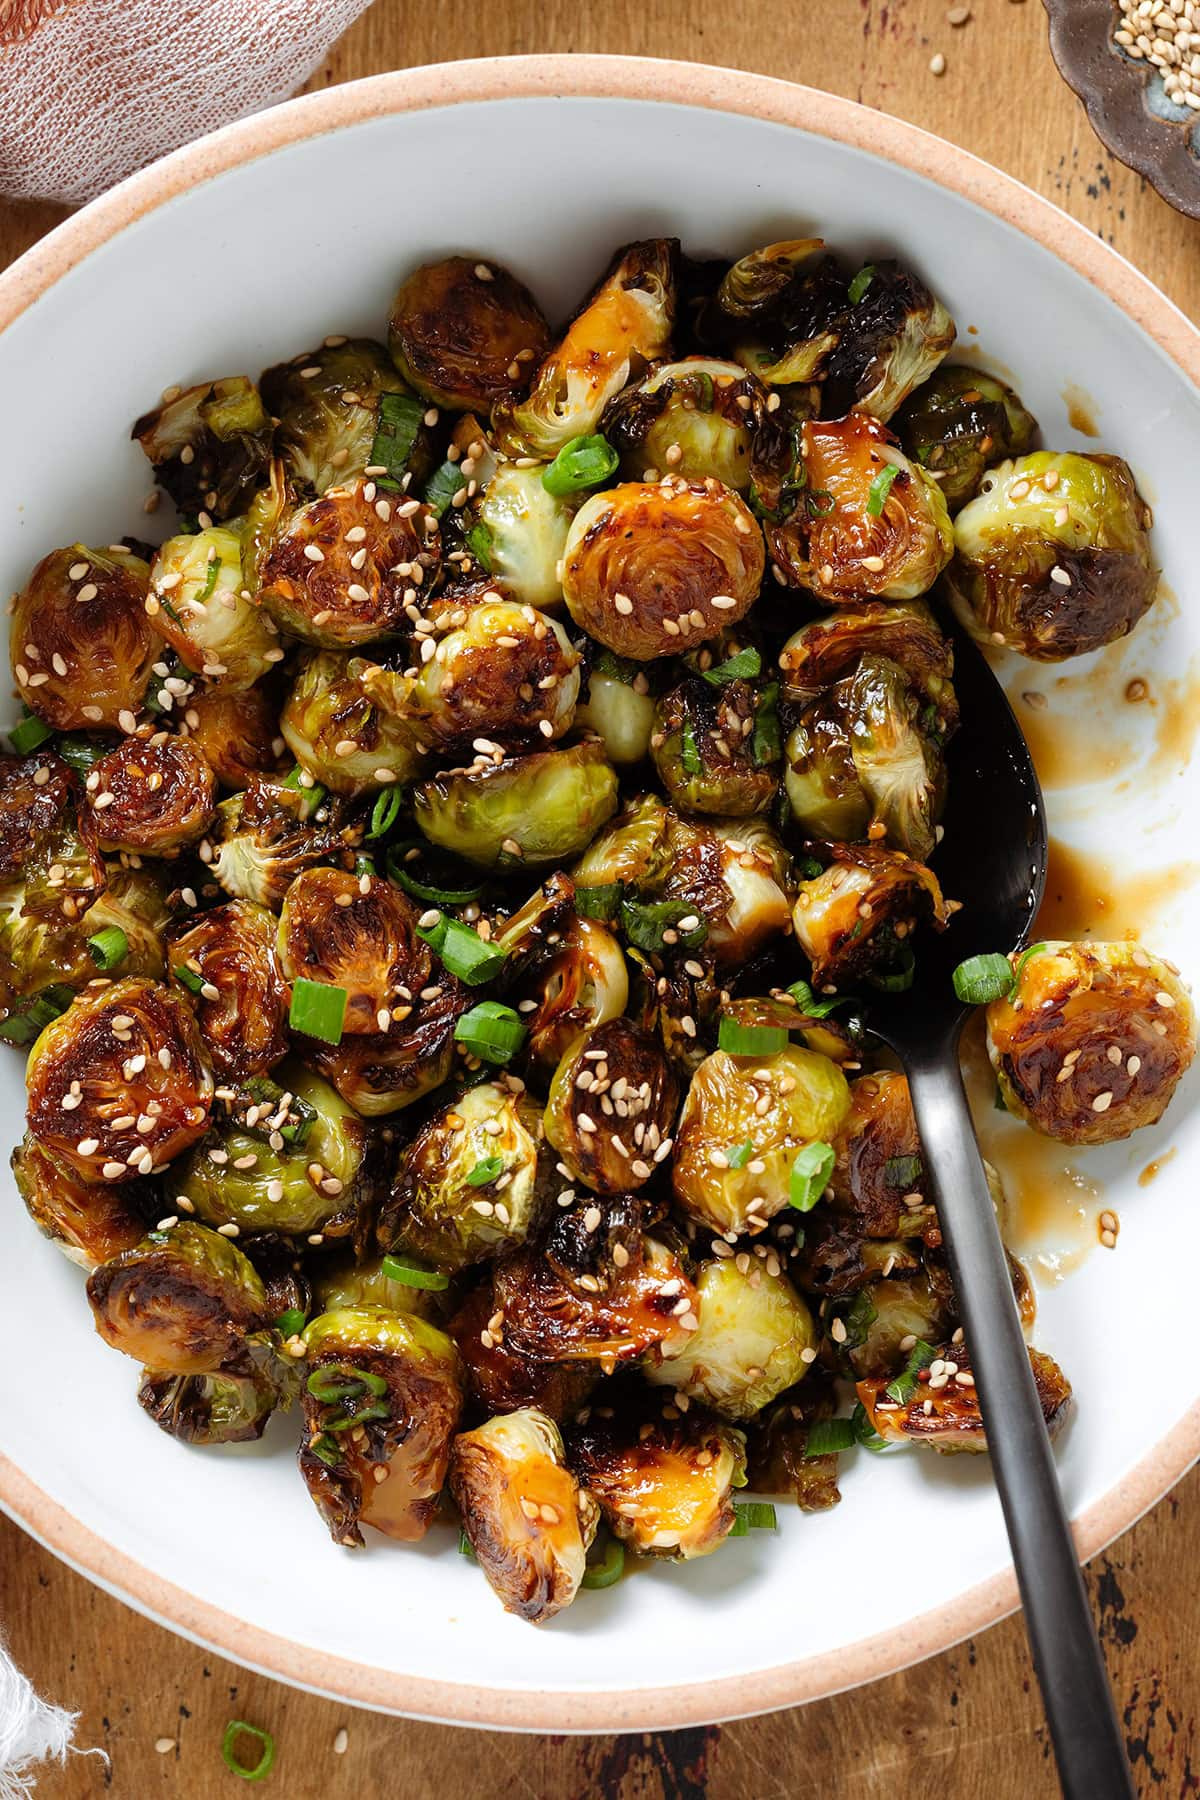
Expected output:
(1087, 1740)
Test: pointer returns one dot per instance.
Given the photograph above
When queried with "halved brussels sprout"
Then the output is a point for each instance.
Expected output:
(527, 530)
(856, 916)
(529, 1522)
(271, 832)
(754, 1328)
(943, 1413)
(327, 405)
(44, 827)
(465, 333)
(664, 1479)
(826, 650)
(1092, 1040)
(337, 732)
(869, 522)
(208, 1409)
(313, 1185)
(835, 1262)
(501, 1379)
(601, 1289)
(612, 1107)
(777, 1445)
(892, 338)
(625, 325)
(120, 1083)
(381, 1405)
(619, 708)
(901, 1308)
(573, 973)
(470, 1185)
(237, 733)
(694, 418)
(87, 1220)
(777, 1105)
(635, 850)
(200, 603)
(80, 641)
(151, 796)
(346, 568)
(534, 810)
(1054, 556)
(345, 1279)
(780, 306)
(208, 445)
(651, 566)
(183, 1301)
(824, 789)
(381, 1072)
(679, 1007)
(709, 751)
(354, 932)
(44, 944)
(959, 424)
(499, 669)
(879, 1172)
(224, 962)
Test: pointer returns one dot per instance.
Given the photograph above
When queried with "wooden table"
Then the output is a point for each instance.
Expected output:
(968, 1723)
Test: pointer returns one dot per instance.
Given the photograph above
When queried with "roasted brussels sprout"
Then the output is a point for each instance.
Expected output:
(563, 979)
(151, 796)
(693, 418)
(664, 1479)
(959, 424)
(184, 1301)
(379, 1073)
(1092, 1040)
(710, 749)
(754, 1333)
(652, 566)
(208, 445)
(526, 529)
(224, 961)
(238, 734)
(120, 1083)
(781, 307)
(824, 789)
(470, 1185)
(80, 641)
(916, 1304)
(501, 1379)
(826, 650)
(47, 942)
(90, 1222)
(200, 604)
(777, 1105)
(208, 1409)
(533, 810)
(40, 829)
(1054, 556)
(338, 734)
(868, 523)
(381, 1405)
(636, 849)
(466, 333)
(623, 327)
(354, 932)
(529, 1522)
(856, 916)
(777, 1447)
(878, 1174)
(612, 1107)
(272, 831)
(344, 1279)
(327, 404)
(943, 1410)
(891, 340)
(345, 568)
(619, 708)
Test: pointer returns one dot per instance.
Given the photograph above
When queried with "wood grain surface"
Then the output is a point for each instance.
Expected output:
(967, 1724)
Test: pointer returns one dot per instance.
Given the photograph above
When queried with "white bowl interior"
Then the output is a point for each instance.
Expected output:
(255, 265)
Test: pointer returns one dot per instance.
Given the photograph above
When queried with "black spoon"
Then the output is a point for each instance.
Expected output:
(993, 858)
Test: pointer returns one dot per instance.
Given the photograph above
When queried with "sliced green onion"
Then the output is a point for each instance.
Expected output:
(79, 753)
(23, 1026)
(646, 922)
(860, 283)
(810, 1174)
(689, 750)
(465, 1546)
(413, 1274)
(738, 1158)
(442, 486)
(210, 580)
(880, 488)
(983, 978)
(603, 902)
(826, 1437)
(819, 503)
(859, 1319)
(326, 1450)
(490, 1031)
(31, 732)
(486, 1171)
(865, 1433)
(904, 1386)
(899, 978)
(1024, 957)
(400, 417)
(704, 381)
(766, 745)
(290, 1322)
(817, 1006)
(312, 791)
(108, 947)
(189, 978)
(743, 666)
(385, 812)
(237, 1728)
(462, 950)
(401, 874)
(902, 1172)
(479, 542)
(608, 1567)
(751, 1040)
(753, 1515)
(999, 1103)
(620, 668)
(318, 1009)
(584, 462)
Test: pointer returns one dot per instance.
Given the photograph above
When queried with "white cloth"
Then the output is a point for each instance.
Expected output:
(30, 1731)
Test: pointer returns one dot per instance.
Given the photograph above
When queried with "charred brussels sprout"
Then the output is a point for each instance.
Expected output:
(327, 404)
(354, 932)
(878, 1173)
(826, 650)
(754, 1333)
(856, 916)
(1054, 555)
(777, 1442)
(151, 796)
(891, 340)
(1092, 1040)
(634, 851)
(901, 1308)
(526, 530)
(466, 333)
(824, 790)
(943, 1413)
(89, 1221)
(344, 568)
(208, 1409)
(237, 733)
(120, 1084)
(199, 603)
(573, 972)
(780, 306)
(382, 1072)
(183, 1301)
(960, 423)
(693, 418)
(209, 445)
(619, 708)
(84, 614)
(224, 962)
(529, 1522)
(651, 566)
(534, 810)
(664, 1480)
(612, 1106)
(469, 1186)
(708, 751)
(623, 327)
(501, 1379)
(47, 944)
(806, 1098)
(313, 1184)
(339, 734)
(267, 835)
(381, 1405)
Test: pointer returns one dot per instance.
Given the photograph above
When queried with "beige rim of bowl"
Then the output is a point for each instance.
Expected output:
(825, 115)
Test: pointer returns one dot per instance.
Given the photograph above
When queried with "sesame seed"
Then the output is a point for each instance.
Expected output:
(229, 1230)
(1060, 576)
(937, 64)
(723, 602)
(1102, 1102)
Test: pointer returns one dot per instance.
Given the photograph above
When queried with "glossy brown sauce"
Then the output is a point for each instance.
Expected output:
(1081, 410)
(1086, 897)
(1155, 1168)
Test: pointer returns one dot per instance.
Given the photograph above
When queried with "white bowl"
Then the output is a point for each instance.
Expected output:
(247, 247)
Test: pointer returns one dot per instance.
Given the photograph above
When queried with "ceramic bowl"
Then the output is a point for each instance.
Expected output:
(255, 242)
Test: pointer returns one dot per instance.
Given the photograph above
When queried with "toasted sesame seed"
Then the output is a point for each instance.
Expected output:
(1102, 1102)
